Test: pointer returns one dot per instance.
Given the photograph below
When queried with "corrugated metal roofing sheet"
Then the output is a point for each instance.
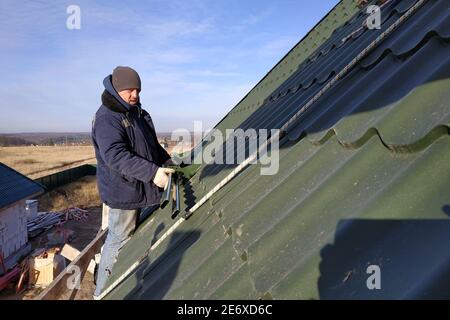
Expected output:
(338, 17)
(359, 101)
(14, 186)
(363, 180)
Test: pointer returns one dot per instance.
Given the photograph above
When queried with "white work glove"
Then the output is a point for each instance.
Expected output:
(162, 177)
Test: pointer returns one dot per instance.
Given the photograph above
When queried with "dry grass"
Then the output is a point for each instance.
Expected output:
(82, 193)
(39, 161)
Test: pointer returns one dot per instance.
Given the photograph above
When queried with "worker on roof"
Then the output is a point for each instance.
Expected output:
(130, 173)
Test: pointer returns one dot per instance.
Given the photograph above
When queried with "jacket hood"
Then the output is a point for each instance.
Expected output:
(113, 100)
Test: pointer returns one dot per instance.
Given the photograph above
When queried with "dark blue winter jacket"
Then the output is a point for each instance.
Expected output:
(127, 151)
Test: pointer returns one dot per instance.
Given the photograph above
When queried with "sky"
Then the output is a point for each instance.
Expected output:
(196, 58)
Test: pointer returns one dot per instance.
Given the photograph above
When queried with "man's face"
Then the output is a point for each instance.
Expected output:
(130, 96)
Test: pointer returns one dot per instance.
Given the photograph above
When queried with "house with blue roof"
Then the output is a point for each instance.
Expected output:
(15, 189)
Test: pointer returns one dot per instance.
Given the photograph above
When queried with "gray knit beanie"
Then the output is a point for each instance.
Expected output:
(125, 78)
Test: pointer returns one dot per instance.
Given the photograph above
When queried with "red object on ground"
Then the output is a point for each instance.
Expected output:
(9, 277)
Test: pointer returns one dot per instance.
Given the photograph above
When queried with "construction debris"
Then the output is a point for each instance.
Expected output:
(60, 236)
(44, 266)
(76, 214)
(42, 223)
(47, 220)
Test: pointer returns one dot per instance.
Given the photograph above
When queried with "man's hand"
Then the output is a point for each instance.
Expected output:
(162, 177)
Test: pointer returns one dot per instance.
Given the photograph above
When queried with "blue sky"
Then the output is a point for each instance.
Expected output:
(196, 58)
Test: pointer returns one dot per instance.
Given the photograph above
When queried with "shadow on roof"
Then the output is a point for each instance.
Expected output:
(150, 287)
(412, 257)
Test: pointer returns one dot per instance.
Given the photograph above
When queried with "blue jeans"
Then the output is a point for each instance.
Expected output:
(121, 225)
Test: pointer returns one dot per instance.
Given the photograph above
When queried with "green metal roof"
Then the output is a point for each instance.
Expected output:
(363, 180)
(337, 17)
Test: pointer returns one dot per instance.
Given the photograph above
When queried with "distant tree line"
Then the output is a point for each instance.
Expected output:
(13, 141)
(69, 140)
(58, 139)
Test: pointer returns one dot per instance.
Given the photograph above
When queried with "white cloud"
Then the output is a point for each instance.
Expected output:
(172, 56)
(251, 20)
(168, 30)
(212, 73)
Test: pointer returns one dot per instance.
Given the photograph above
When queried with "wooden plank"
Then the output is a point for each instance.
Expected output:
(71, 253)
(59, 285)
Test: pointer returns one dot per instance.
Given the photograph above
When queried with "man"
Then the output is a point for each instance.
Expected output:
(130, 175)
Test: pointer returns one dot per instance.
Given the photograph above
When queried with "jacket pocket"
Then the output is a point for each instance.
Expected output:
(127, 189)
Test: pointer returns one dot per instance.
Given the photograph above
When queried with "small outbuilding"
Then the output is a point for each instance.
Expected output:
(15, 189)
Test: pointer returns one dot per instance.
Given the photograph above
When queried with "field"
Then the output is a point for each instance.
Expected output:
(38, 161)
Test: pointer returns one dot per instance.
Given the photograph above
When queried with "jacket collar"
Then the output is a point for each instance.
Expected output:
(109, 101)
